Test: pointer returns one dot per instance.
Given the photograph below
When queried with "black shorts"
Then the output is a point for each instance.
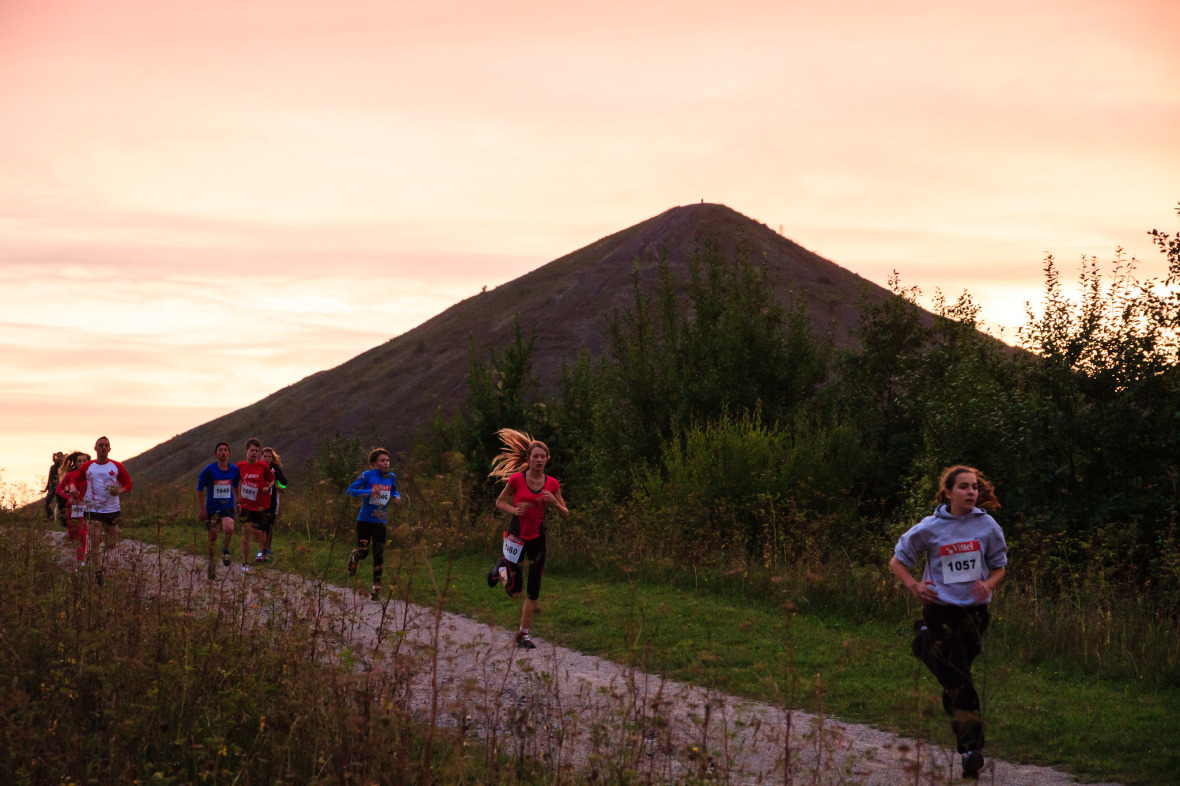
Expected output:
(213, 521)
(109, 519)
(257, 519)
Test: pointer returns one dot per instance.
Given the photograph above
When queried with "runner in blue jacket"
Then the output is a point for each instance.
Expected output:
(378, 487)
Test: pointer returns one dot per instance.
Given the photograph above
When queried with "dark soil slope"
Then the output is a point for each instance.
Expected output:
(384, 394)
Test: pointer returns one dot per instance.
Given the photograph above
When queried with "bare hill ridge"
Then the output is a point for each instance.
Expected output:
(387, 392)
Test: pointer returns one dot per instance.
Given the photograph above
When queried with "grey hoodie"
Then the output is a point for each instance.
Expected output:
(959, 551)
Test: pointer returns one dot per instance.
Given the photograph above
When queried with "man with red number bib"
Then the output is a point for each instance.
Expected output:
(527, 494)
(966, 555)
(99, 484)
(254, 490)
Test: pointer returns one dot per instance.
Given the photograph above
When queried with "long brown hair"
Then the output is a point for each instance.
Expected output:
(275, 455)
(514, 456)
(986, 498)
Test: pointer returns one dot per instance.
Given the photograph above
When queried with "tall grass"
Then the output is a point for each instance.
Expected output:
(1079, 615)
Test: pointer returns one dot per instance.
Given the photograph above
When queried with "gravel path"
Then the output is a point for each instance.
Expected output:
(564, 708)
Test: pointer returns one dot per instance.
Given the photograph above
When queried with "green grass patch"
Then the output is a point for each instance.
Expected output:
(760, 645)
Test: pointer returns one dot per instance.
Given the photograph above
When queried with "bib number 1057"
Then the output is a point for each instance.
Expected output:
(962, 562)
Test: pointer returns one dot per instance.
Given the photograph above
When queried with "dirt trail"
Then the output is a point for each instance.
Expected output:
(563, 707)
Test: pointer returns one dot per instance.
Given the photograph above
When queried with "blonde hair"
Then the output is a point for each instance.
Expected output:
(514, 456)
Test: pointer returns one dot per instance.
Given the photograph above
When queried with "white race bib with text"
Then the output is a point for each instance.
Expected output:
(961, 562)
(250, 492)
(512, 549)
(380, 494)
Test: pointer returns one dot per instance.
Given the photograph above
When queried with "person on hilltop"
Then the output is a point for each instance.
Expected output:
(72, 509)
(217, 488)
(966, 555)
(528, 493)
(52, 503)
(272, 459)
(98, 485)
(378, 487)
(254, 491)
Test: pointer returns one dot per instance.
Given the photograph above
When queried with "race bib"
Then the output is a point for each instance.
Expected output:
(961, 562)
(380, 494)
(223, 489)
(249, 492)
(512, 549)
(76, 511)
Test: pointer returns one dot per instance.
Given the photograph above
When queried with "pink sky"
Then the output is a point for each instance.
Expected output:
(204, 202)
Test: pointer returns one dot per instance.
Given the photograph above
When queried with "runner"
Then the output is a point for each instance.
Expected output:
(966, 557)
(527, 494)
(52, 503)
(256, 486)
(379, 487)
(99, 484)
(275, 462)
(218, 481)
(72, 509)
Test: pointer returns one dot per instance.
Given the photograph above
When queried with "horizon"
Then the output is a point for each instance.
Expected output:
(205, 204)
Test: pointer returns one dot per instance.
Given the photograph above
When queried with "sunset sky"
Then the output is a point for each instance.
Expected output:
(202, 202)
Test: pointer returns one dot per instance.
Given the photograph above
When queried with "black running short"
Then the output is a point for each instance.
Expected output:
(109, 519)
(257, 519)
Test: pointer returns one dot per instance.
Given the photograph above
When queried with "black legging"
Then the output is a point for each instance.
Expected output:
(947, 639)
(371, 534)
(535, 550)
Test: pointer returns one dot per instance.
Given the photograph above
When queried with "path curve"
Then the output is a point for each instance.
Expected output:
(564, 708)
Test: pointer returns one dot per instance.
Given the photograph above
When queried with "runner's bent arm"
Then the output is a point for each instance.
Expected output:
(922, 590)
(555, 499)
(981, 589)
(504, 503)
(359, 488)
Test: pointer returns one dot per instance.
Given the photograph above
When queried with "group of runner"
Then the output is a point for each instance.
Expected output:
(88, 494)
(962, 546)
(248, 491)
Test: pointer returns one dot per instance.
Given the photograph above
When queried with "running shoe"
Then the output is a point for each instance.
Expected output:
(266, 555)
(211, 572)
(524, 642)
(260, 557)
(225, 557)
(376, 593)
(351, 564)
(972, 764)
(245, 568)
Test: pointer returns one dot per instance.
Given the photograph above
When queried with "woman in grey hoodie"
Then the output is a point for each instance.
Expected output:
(966, 557)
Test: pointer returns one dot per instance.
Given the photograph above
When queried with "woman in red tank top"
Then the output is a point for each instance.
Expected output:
(526, 497)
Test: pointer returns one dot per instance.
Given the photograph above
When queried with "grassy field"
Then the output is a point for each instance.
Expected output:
(756, 643)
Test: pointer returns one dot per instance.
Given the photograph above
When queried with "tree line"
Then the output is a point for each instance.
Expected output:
(722, 425)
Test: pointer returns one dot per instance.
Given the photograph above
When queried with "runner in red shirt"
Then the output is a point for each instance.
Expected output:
(257, 484)
(99, 485)
(527, 495)
(74, 510)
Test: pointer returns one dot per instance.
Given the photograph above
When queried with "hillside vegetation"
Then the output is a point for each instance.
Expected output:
(386, 393)
(720, 430)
